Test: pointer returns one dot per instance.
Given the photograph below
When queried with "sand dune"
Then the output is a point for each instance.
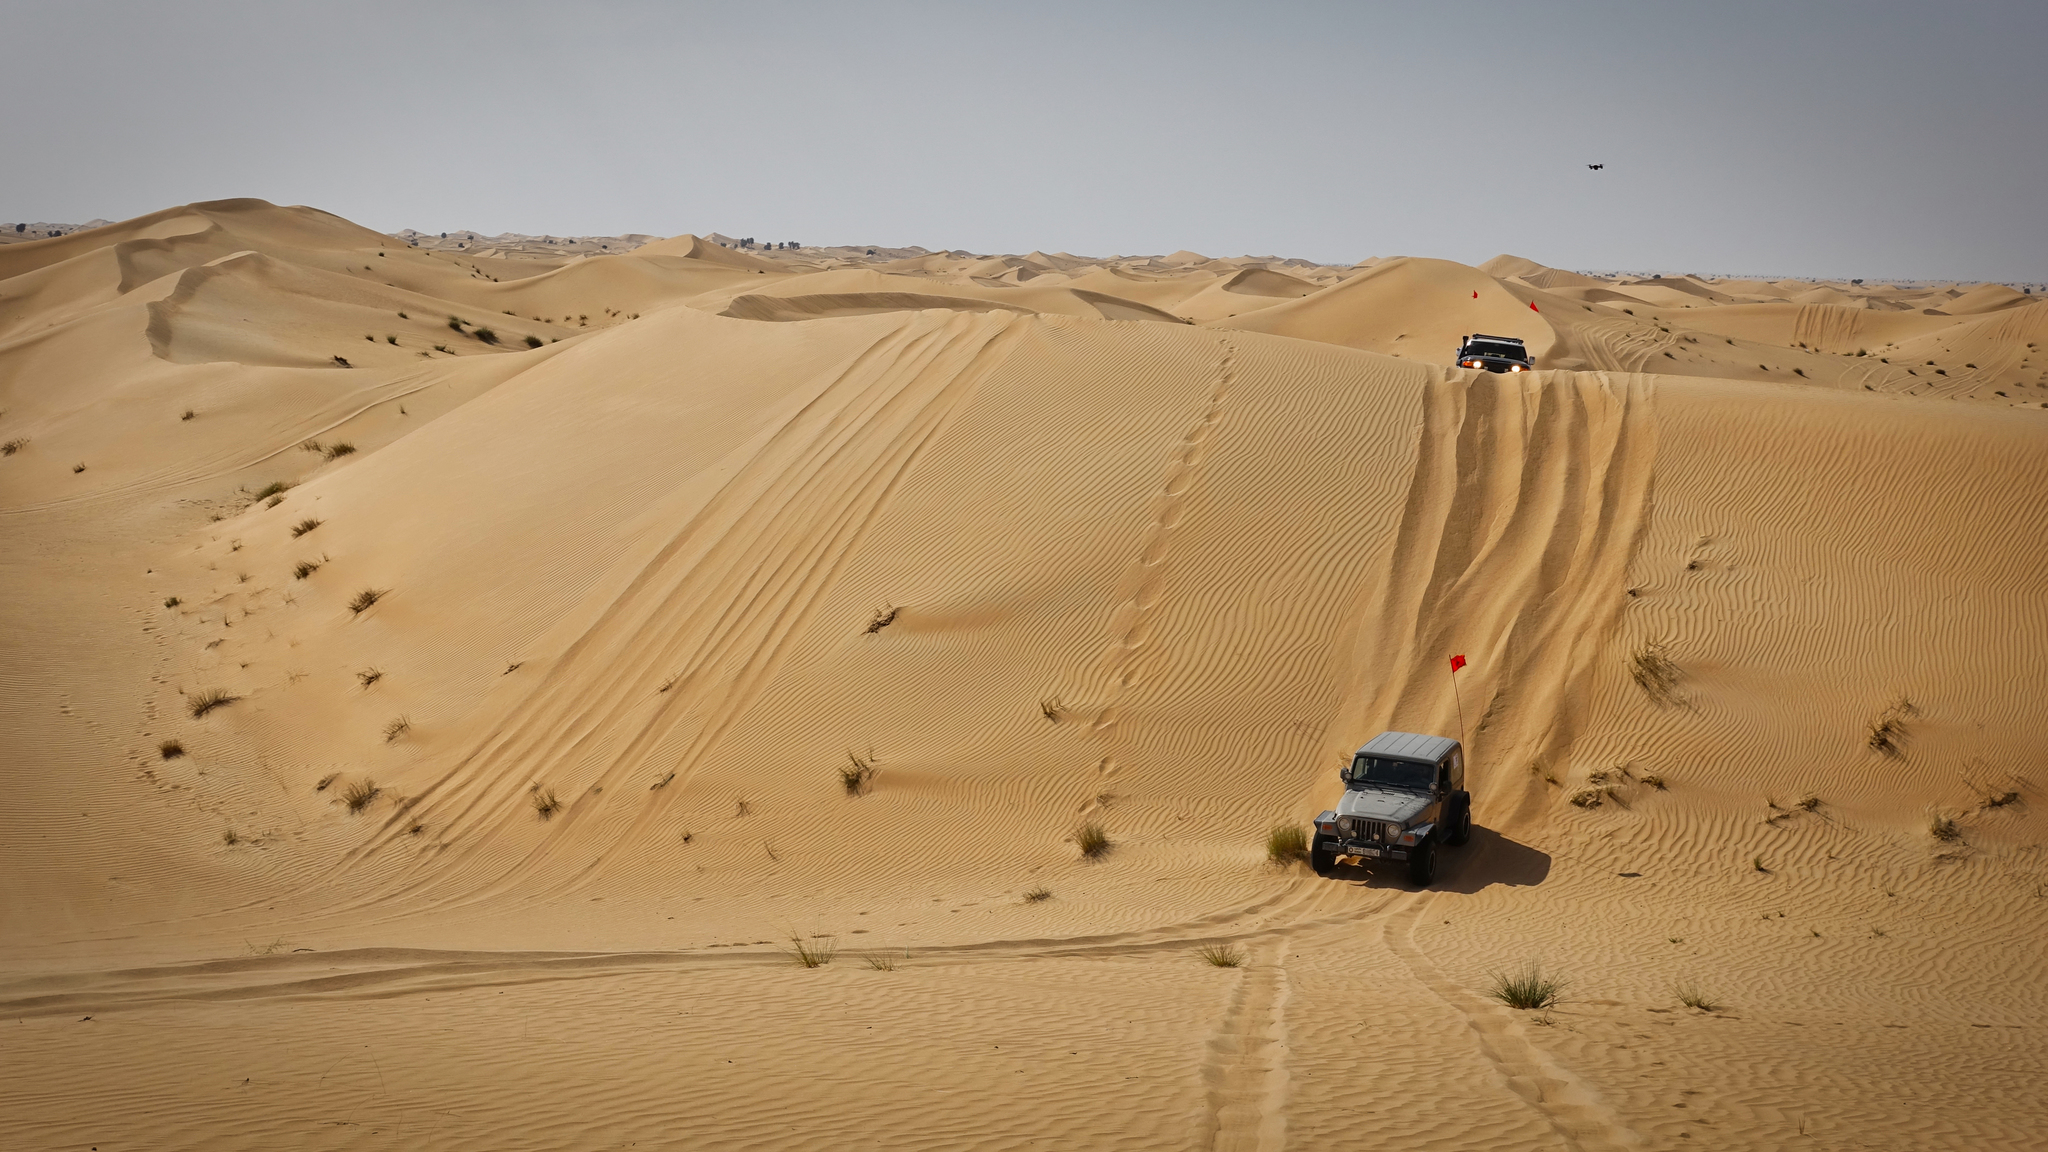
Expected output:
(510, 851)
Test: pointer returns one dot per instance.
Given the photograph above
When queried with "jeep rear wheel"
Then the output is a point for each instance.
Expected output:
(1461, 820)
(1422, 864)
(1321, 857)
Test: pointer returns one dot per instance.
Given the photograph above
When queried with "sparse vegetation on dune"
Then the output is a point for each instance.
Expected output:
(534, 341)
(172, 601)
(339, 449)
(882, 961)
(1092, 839)
(1038, 895)
(362, 601)
(1052, 709)
(274, 488)
(1221, 956)
(545, 805)
(1690, 995)
(303, 569)
(882, 618)
(1653, 670)
(487, 335)
(358, 794)
(305, 526)
(1888, 729)
(815, 952)
(1287, 844)
(396, 728)
(13, 446)
(369, 676)
(1527, 987)
(171, 749)
(1944, 828)
(209, 700)
(858, 773)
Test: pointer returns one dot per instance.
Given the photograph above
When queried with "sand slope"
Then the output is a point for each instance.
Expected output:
(1041, 553)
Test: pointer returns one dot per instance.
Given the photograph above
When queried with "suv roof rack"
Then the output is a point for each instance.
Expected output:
(1502, 339)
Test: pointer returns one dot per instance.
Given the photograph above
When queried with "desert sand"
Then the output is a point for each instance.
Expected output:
(431, 676)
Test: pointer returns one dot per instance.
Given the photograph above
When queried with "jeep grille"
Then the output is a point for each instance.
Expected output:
(1359, 828)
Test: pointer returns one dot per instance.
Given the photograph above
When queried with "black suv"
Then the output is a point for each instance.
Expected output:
(1495, 354)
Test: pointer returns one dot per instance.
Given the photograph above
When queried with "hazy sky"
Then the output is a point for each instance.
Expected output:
(1834, 139)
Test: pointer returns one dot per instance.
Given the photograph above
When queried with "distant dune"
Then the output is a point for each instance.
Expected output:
(448, 689)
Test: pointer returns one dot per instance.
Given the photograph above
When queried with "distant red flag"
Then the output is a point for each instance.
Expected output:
(1475, 295)
(1457, 662)
(1533, 307)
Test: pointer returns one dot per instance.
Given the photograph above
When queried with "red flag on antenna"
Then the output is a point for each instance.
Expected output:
(1533, 307)
(1457, 662)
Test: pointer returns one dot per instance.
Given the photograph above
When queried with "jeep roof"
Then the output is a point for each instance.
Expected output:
(1409, 745)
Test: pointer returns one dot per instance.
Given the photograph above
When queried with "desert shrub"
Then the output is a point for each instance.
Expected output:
(1286, 843)
(1052, 709)
(1038, 895)
(456, 322)
(1653, 670)
(882, 618)
(857, 773)
(230, 838)
(1944, 828)
(325, 782)
(171, 749)
(77, 468)
(440, 348)
(1527, 988)
(209, 700)
(188, 414)
(303, 569)
(13, 446)
(813, 953)
(391, 339)
(369, 676)
(339, 448)
(545, 805)
(396, 728)
(1690, 995)
(274, 488)
(882, 961)
(1888, 729)
(486, 335)
(1221, 956)
(1092, 839)
(358, 794)
(534, 341)
(1655, 781)
(342, 362)
(172, 602)
(364, 599)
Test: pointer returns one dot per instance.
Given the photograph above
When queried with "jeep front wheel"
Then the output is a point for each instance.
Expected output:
(1422, 864)
(1321, 858)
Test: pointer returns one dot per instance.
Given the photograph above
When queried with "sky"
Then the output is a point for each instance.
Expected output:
(1873, 139)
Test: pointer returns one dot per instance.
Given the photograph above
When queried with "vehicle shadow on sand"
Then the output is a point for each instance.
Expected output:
(1489, 858)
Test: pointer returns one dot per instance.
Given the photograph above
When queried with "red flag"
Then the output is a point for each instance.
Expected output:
(1475, 295)
(1457, 662)
(1533, 307)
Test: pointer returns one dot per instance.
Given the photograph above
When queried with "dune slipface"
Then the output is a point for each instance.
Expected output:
(449, 693)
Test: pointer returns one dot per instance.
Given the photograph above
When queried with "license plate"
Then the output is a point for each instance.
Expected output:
(1367, 853)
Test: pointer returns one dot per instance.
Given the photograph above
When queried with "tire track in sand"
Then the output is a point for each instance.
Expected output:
(1245, 1066)
(1572, 1110)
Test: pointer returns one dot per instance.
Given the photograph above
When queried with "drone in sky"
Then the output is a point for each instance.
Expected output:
(1596, 167)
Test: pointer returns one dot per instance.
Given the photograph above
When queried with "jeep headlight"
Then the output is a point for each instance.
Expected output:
(1394, 829)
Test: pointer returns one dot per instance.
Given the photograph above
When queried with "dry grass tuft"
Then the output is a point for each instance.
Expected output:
(1052, 709)
(813, 953)
(229, 838)
(303, 569)
(1655, 781)
(858, 773)
(883, 961)
(1221, 955)
(1093, 840)
(13, 446)
(325, 781)
(1690, 995)
(1808, 803)
(210, 699)
(172, 602)
(1286, 844)
(1944, 828)
(171, 749)
(1888, 730)
(544, 802)
(1757, 863)
(882, 618)
(397, 728)
(1591, 797)
(339, 448)
(305, 526)
(1528, 989)
(1653, 670)
(368, 596)
(1038, 895)
(487, 335)
(274, 488)
(359, 794)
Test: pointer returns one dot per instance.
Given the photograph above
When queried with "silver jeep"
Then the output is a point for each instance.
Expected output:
(1404, 794)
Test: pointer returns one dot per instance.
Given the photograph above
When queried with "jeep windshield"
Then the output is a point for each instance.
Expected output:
(1498, 351)
(1376, 772)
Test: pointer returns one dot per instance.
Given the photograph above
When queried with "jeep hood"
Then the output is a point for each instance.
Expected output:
(1378, 804)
